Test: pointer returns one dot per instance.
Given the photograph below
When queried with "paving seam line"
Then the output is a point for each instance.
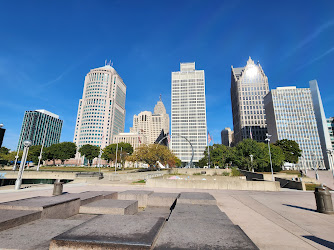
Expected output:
(298, 236)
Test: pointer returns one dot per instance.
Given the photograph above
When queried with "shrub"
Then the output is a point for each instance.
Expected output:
(235, 172)
(225, 174)
(196, 173)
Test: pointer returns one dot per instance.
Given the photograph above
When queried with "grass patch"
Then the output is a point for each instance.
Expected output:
(140, 181)
(69, 169)
(196, 173)
(225, 174)
(235, 172)
(311, 186)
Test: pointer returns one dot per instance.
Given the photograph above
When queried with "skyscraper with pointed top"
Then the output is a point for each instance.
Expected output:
(101, 111)
(249, 85)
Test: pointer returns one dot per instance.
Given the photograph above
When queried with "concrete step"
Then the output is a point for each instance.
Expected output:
(196, 198)
(55, 207)
(152, 211)
(35, 235)
(201, 227)
(111, 232)
(140, 195)
(13, 218)
(110, 206)
(162, 199)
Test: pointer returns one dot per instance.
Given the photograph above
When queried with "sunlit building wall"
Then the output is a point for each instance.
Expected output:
(249, 85)
(330, 125)
(188, 112)
(290, 115)
(101, 111)
(227, 137)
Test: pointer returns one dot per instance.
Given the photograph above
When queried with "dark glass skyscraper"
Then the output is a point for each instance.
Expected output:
(41, 127)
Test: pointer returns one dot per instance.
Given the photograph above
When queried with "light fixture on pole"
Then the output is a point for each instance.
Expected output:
(18, 182)
(16, 158)
(271, 164)
(315, 166)
(251, 156)
(40, 155)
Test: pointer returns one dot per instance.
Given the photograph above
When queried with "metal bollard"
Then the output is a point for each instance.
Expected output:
(58, 188)
(323, 199)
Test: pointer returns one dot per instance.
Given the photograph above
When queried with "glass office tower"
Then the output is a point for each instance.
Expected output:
(188, 112)
(41, 127)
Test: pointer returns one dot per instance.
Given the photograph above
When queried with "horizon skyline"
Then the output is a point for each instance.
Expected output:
(44, 58)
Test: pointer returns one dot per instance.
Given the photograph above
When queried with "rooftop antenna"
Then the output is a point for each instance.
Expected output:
(105, 62)
(160, 98)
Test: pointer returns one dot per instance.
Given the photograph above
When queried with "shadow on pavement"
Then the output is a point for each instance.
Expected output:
(320, 241)
(305, 208)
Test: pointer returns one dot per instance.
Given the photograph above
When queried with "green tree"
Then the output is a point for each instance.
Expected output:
(152, 153)
(123, 152)
(67, 150)
(3, 155)
(218, 156)
(90, 152)
(51, 153)
(34, 152)
(290, 150)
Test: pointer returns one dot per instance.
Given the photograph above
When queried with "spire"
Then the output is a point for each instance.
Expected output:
(160, 98)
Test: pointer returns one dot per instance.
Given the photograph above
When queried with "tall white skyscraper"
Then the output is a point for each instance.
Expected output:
(150, 125)
(188, 112)
(101, 111)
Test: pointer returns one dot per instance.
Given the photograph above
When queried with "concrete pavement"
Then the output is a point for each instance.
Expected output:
(325, 177)
(272, 220)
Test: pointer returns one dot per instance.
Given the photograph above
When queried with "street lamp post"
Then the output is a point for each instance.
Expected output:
(271, 164)
(18, 182)
(251, 156)
(315, 167)
(16, 158)
(40, 155)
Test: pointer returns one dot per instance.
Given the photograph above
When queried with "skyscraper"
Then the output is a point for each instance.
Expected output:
(41, 127)
(188, 112)
(291, 115)
(101, 111)
(2, 134)
(330, 125)
(249, 85)
(150, 125)
(227, 137)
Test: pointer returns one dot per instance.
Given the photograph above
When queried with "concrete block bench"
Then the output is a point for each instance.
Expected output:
(109, 206)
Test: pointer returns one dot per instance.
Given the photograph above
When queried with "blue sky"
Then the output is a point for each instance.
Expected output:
(47, 48)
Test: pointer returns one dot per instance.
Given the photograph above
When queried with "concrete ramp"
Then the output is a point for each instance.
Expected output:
(196, 198)
(111, 232)
(90, 196)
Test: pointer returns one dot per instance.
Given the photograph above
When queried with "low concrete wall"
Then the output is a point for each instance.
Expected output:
(39, 175)
(216, 182)
(285, 183)
(251, 175)
(134, 176)
(191, 171)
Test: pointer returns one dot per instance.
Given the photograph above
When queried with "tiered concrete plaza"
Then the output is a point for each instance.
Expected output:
(270, 220)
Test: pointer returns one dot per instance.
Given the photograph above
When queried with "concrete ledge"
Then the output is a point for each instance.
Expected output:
(109, 206)
(13, 218)
(219, 182)
(285, 183)
(56, 207)
(196, 198)
(111, 232)
(140, 195)
(85, 197)
(162, 199)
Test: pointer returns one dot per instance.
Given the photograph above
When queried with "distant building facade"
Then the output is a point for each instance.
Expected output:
(101, 111)
(227, 137)
(188, 112)
(330, 125)
(291, 115)
(134, 139)
(249, 85)
(150, 125)
(41, 127)
(2, 135)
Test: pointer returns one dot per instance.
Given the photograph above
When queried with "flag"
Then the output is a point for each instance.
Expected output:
(168, 139)
(139, 139)
(250, 133)
(209, 138)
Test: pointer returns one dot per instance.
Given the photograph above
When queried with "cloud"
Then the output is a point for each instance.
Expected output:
(317, 58)
(311, 37)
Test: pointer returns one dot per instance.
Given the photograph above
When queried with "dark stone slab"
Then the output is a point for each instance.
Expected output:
(108, 194)
(13, 218)
(111, 232)
(35, 235)
(152, 211)
(162, 199)
(86, 197)
(196, 198)
(140, 195)
(55, 207)
(208, 213)
(110, 206)
(202, 233)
